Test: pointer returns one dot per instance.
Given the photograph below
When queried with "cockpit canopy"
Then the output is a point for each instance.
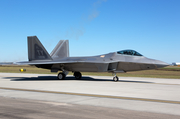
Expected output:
(129, 52)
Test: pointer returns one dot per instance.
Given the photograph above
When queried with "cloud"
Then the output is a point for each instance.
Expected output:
(76, 32)
(95, 12)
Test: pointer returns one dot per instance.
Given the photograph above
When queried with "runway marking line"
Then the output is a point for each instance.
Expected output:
(95, 95)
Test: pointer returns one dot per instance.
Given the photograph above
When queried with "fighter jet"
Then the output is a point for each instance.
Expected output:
(59, 60)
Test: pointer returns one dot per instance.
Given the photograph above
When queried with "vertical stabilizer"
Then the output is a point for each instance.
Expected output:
(61, 50)
(36, 50)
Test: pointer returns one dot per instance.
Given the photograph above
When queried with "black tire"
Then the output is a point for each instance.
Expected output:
(77, 75)
(61, 76)
(115, 78)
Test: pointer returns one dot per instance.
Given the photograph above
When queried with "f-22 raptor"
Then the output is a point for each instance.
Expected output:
(59, 60)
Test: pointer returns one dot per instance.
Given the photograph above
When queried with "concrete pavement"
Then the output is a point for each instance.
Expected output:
(135, 94)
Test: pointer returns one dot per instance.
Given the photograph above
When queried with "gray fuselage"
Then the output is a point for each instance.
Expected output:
(112, 62)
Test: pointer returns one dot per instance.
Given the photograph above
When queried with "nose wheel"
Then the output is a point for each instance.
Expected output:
(115, 78)
(77, 75)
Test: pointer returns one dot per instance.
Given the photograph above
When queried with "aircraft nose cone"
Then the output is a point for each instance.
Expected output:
(161, 64)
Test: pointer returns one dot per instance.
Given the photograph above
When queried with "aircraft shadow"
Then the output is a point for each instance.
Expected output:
(54, 78)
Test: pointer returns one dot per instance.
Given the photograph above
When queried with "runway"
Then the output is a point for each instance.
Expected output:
(145, 95)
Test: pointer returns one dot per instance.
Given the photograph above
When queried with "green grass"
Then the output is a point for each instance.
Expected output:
(29, 69)
(171, 68)
(168, 72)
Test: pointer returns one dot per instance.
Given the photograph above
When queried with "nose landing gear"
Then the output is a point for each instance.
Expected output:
(115, 78)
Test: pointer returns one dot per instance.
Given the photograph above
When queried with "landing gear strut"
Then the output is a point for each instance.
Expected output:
(115, 78)
(77, 75)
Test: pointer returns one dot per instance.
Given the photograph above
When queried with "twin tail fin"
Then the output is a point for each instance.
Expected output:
(61, 50)
(36, 50)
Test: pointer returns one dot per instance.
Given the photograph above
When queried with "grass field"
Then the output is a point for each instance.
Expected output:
(168, 72)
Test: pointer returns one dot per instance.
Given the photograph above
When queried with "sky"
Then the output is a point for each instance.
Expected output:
(93, 27)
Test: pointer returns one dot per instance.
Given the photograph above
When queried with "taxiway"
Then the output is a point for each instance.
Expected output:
(145, 95)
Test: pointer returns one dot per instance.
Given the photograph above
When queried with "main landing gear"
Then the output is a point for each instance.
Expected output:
(62, 75)
(77, 75)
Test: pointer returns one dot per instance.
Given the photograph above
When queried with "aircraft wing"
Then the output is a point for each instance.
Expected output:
(55, 62)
